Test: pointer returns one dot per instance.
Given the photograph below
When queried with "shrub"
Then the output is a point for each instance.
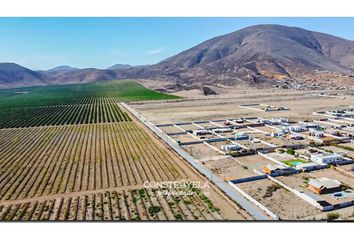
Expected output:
(332, 216)
(290, 151)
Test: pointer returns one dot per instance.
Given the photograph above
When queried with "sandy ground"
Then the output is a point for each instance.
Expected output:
(281, 156)
(254, 162)
(301, 104)
(282, 202)
(200, 151)
(170, 129)
(229, 169)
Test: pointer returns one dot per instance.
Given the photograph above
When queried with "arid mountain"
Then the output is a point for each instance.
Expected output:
(13, 75)
(258, 53)
(119, 66)
(80, 76)
(261, 54)
(60, 69)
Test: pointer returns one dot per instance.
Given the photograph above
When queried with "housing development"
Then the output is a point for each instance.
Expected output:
(290, 162)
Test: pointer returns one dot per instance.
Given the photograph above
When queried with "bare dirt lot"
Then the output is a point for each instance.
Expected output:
(254, 162)
(200, 151)
(229, 169)
(170, 129)
(184, 138)
(301, 104)
(280, 201)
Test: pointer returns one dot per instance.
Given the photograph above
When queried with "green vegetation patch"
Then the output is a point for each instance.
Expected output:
(332, 216)
(345, 148)
(290, 151)
(71, 104)
(122, 90)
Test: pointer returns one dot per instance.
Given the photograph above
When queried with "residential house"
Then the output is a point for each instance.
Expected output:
(324, 185)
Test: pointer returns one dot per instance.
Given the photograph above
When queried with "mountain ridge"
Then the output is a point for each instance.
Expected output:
(270, 54)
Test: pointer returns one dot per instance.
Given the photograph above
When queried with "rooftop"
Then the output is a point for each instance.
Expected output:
(324, 183)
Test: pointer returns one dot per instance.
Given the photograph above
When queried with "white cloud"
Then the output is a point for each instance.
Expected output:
(156, 51)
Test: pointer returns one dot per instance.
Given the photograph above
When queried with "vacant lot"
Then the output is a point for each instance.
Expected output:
(254, 162)
(200, 151)
(229, 168)
(302, 105)
(170, 129)
(280, 201)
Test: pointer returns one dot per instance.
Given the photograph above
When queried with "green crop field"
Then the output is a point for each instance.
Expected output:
(71, 104)
(101, 110)
(122, 90)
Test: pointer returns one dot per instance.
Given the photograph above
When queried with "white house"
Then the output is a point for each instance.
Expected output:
(311, 125)
(265, 121)
(241, 136)
(295, 128)
(326, 158)
(277, 134)
(309, 166)
(222, 130)
(230, 147)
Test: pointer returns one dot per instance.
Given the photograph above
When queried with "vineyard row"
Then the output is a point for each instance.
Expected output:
(103, 110)
(43, 161)
(138, 204)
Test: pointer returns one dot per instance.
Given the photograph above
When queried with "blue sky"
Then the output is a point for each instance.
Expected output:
(43, 43)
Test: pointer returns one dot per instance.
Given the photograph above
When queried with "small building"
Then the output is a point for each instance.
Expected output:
(279, 120)
(326, 158)
(201, 132)
(227, 123)
(306, 167)
(240, 120)
(265, 121)
(277, 134)
(276, 169)
(295, 128)
(241, 136)
(316, 133)
(310, 125)
(334, 132)
(230, 147)
(296, 137)
(222, 130)
(324, 185)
